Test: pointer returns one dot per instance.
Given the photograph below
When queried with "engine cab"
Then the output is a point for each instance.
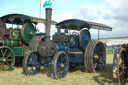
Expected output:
(71, 41)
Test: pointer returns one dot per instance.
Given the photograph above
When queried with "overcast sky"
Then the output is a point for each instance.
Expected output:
(113, 13)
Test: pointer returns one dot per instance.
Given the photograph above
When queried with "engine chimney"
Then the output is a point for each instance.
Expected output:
(48, 23)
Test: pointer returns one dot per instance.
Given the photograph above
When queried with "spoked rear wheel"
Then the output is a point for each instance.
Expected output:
(31, 63)
(60, 65)
(7, 58)
(95, 56)
(119, 67)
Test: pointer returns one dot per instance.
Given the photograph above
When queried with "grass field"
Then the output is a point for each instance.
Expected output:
(74, 77)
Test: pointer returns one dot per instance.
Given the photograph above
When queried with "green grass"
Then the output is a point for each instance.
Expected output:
(110, 53)
(74, 77)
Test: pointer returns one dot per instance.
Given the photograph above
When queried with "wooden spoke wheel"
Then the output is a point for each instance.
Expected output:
(60, 65)
(31, 63)
(119, 67)
(95, 56)
(7, 58)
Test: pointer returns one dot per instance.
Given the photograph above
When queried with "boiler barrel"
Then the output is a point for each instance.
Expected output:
(61, 47)
(11, 43)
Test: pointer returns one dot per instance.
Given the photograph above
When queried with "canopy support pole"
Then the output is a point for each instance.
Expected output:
(98, 34)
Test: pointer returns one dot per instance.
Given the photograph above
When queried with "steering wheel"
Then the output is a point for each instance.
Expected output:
(74, 33)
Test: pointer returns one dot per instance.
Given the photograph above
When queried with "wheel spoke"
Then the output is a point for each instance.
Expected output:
(62, 58)
(94, 66)
(120, 73)
(7, 63)
(3, 66)
(8, 56)
(121, 65)
(28, 68)
(100, 52)
(32, 68)
(9, 60)
(98, 47)
(65, 69)
(5, 52)
(59, 73)
(58, 66)
(30, 63)
(37, 64)
(58, 70)
(0, 59)
(121, 76)
(2, 53)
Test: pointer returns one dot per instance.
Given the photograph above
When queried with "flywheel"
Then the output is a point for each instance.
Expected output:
(84, 39)
(28, 31)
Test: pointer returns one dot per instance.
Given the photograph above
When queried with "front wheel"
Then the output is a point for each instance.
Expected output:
(7, 58)
(31, 64)
(60, 65)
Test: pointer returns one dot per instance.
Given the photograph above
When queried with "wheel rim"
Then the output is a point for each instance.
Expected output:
(61, 66)
(99, 57)
(7, 59)
(33, 65)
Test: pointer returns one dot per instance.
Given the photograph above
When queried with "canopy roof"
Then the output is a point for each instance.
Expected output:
(75, 24)
(19, 18)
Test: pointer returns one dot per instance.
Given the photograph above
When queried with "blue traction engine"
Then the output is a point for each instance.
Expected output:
(66, 49)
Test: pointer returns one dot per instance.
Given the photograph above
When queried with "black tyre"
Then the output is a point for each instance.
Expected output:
(31, 63)
(119, 67)
(60, 65)
(95, 56)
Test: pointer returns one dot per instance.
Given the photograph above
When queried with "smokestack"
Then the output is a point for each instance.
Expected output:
(48, 23)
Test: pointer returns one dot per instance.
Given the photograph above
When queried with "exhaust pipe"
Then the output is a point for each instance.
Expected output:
(48, 23)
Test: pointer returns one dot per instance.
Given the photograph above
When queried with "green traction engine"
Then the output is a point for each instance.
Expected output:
(16, 31)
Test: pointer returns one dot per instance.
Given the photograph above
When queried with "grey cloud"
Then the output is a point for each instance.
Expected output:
(113, 13)
(118, 10)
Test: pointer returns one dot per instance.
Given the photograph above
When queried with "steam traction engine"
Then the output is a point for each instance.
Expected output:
(66, 49)
(120, 65)
(16, 31)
